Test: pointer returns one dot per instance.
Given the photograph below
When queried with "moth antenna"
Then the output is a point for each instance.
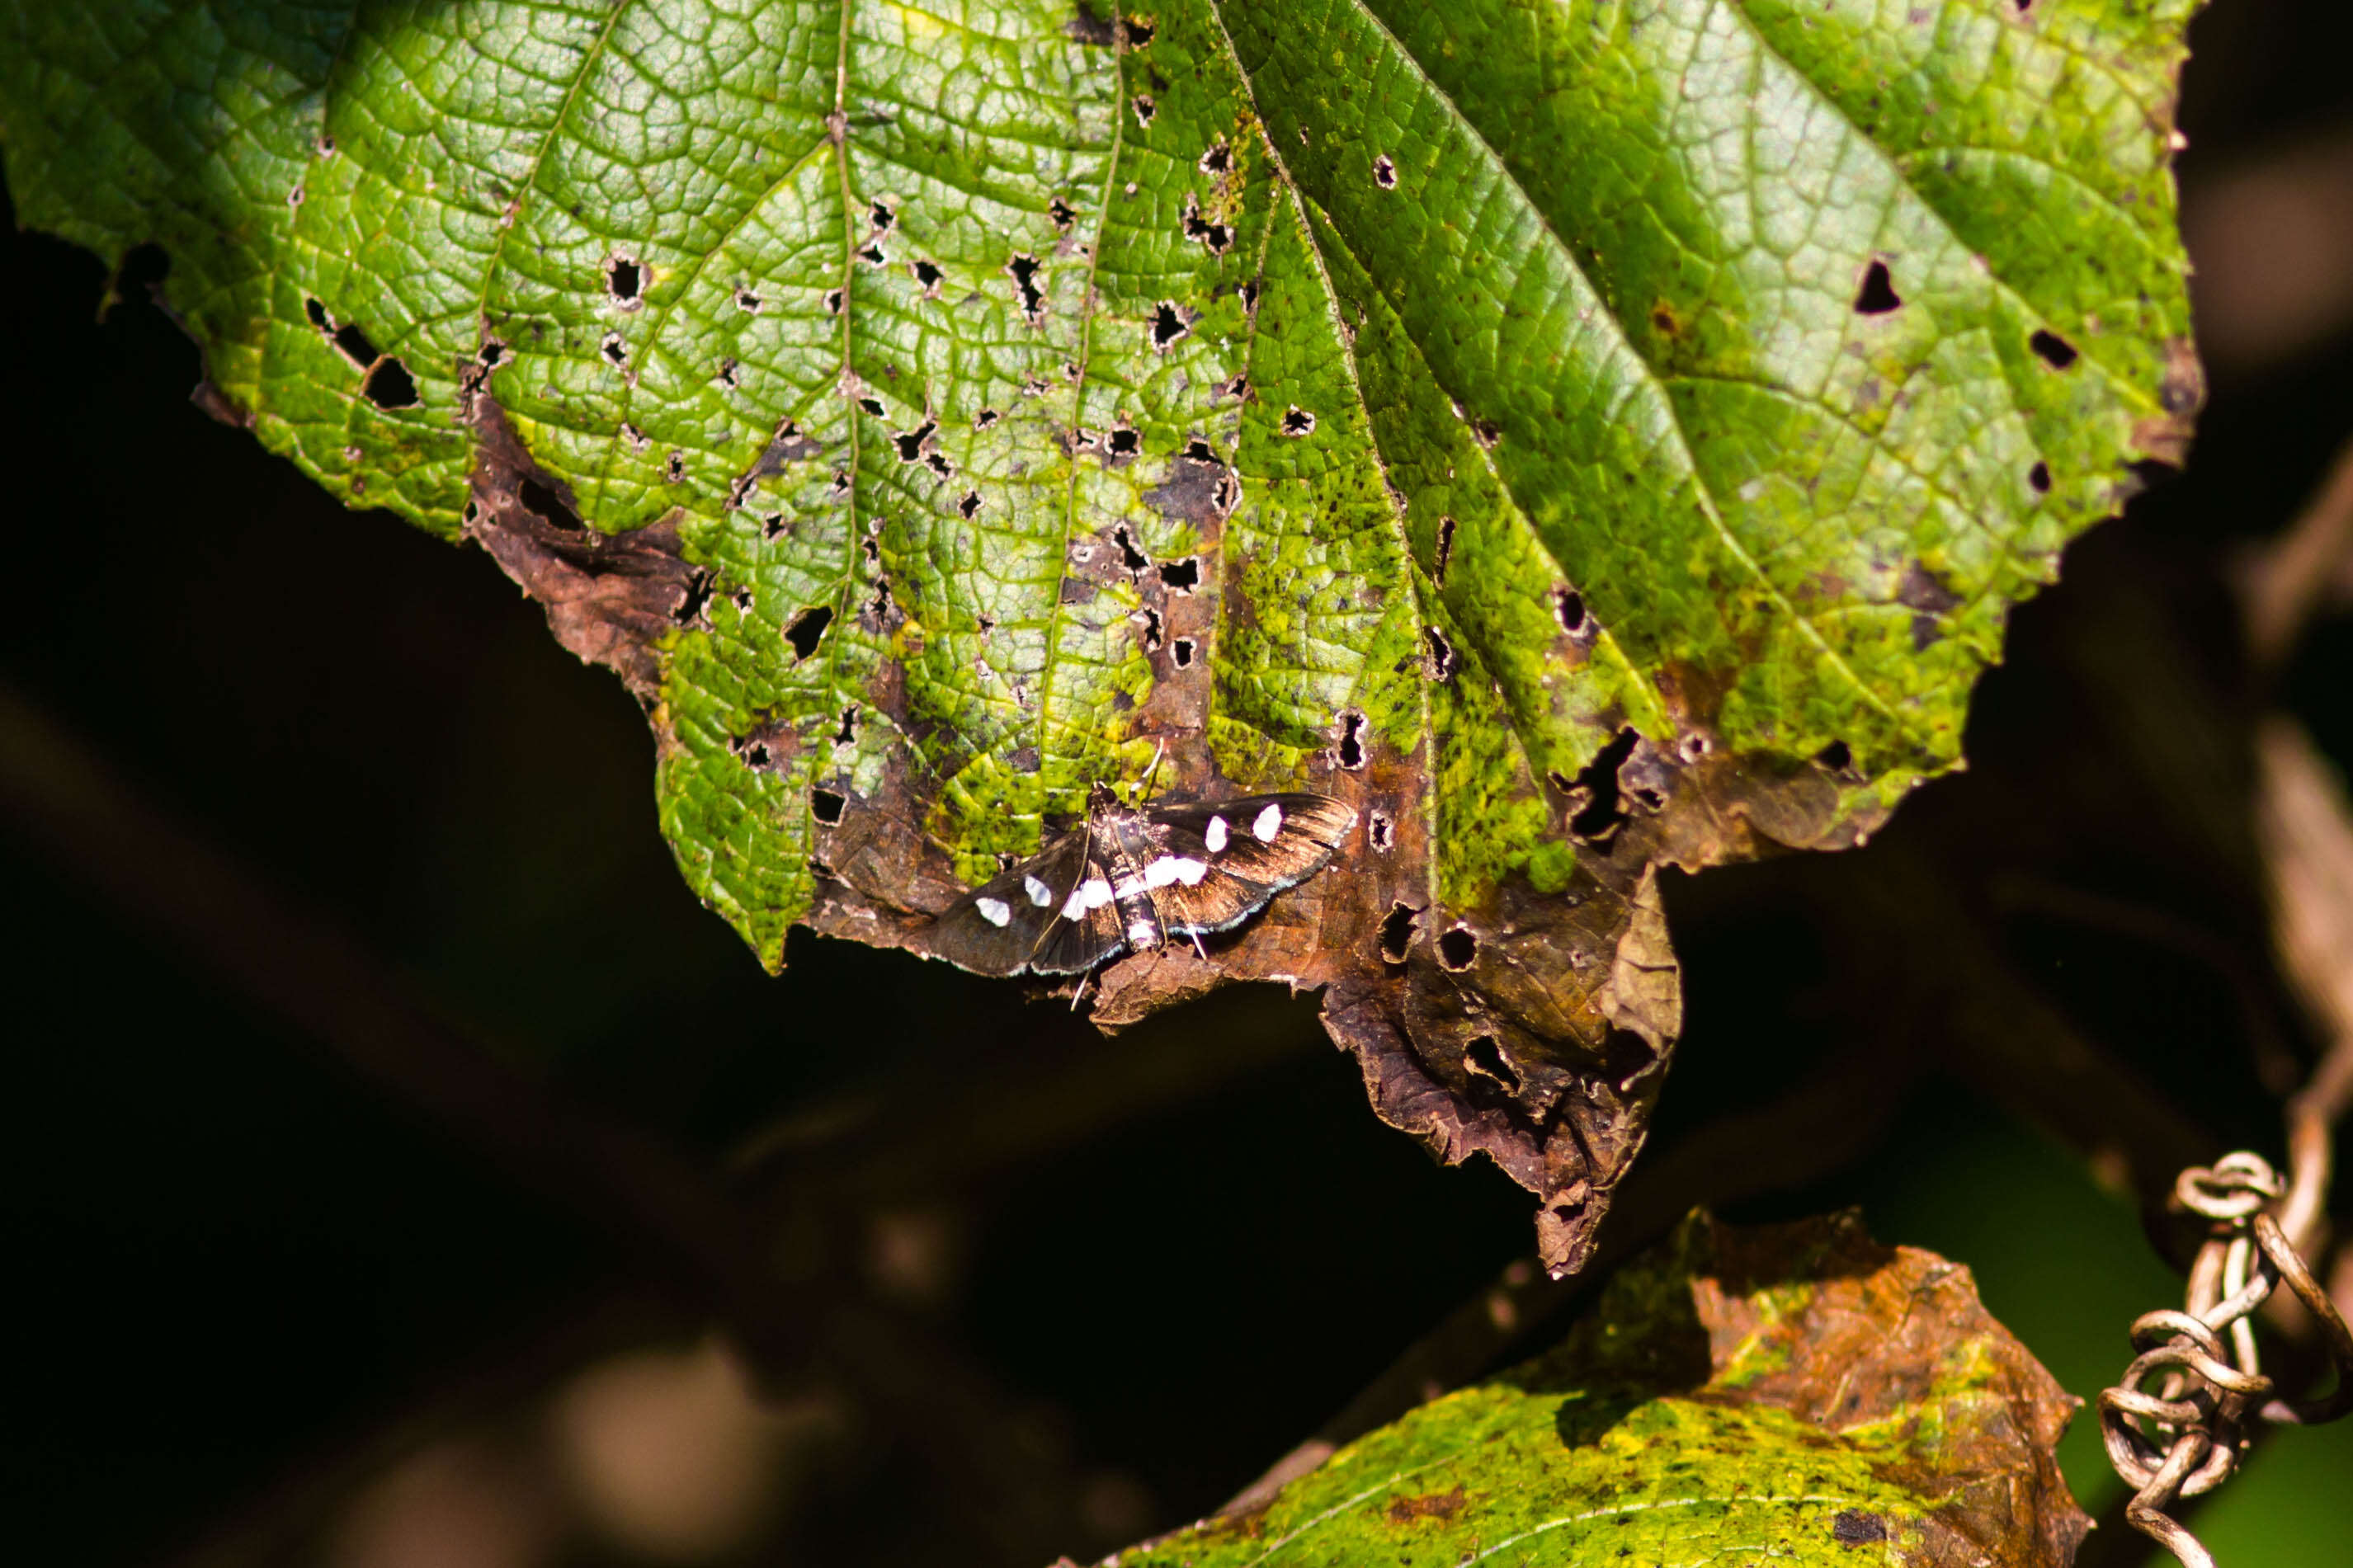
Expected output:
(1159, 750)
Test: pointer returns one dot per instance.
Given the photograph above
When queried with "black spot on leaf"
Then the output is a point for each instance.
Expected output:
(1443, 658)
(1168, 324)
(2055, 351)
(1352, 739)
(1568, 609)
(389, 386)
(549, 507)
(1396, 934)
(1602, 812)
(1877, 296)
(808, 628)
(1484, 1058)
(2039, 477)
(1445, 550)
(1023, 270)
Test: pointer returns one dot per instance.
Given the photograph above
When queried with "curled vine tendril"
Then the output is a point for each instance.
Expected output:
(2180, 1420)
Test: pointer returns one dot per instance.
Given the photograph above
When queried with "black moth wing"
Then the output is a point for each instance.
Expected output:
(1244, 867)
(1032, 934)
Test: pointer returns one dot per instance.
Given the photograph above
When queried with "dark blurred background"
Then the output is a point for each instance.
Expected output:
(279, 1294)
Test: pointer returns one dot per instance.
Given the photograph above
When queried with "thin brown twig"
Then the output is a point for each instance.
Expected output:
(2282, 587)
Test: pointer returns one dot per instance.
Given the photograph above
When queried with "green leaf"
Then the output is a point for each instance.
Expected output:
(1585, 438)
(1792, 1393)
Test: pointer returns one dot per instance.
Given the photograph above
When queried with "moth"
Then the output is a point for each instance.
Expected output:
(1131, 879)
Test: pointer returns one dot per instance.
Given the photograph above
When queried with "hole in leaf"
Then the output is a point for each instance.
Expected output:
(1442, 654)
(1877, 296)
(969, 505)
(1183, 577)
(614, 351)
(676, 467)
(747, 301)
(1144, 109)
(756, 754)
(1380, 830)
(1837, 756)
(1396, 933)
(317, 314)
(1199, 452)
(698, 598)
(1457, 949)
(624, 280)
(389, 386)
(1384, 172)
(1133, 559)
(1139, 32)
(548, 506)
(1352, 739)
(1298, 422)
(872, 405)
(826, 806)
(833, 302)
(985, 418)
(1217, 159)
(727, 372)
(881, 216)
(873, 257)
(808, 627)
(1568, 609)
(848, 733)
(1168, 325)
(2039, 477)
(1445, 549)
(354, 344)
(1024, 272)
(1237, 389)
(1485, 1058)
(938, 463)
(2055, 351)
(927, 273)
(1153, 629)
(1123, 443)
(1062, 212)
(1603, 811)
(1181, 650)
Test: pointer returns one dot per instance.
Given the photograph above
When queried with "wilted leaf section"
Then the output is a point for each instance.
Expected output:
(1790, 1392)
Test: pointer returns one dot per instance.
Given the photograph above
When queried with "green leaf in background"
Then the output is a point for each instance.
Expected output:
(1791, 1393)
(1585, 438)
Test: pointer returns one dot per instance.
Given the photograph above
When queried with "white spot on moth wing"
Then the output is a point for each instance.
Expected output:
(1268, 822)
(1175, 869)
(1126, 888)
(1092, 894)
(1216, 836)
(1141, 933)
(996, 912)
(1039, 894)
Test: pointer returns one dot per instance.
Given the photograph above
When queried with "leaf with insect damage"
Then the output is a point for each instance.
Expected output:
(1790, 1393)
(1576, 439)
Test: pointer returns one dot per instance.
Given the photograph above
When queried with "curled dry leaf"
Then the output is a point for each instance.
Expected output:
(1790, 1392)
(1629, 473)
